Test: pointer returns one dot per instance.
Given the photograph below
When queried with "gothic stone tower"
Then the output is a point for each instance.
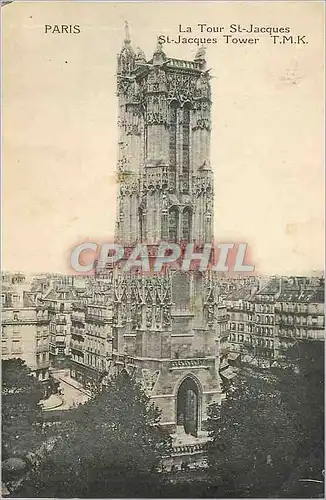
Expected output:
(165, 188)
(167, 329)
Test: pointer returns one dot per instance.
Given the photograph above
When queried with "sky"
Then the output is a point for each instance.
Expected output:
(60, 134)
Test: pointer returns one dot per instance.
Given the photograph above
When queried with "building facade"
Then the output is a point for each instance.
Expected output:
(58, 302)
(268, 317)
(25, 328)
(91, 335)
(299, 312)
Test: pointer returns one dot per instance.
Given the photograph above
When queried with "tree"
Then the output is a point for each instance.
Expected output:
(268, 434)
(21, 394)
(113, 448)
(302, 383)
(252, 438)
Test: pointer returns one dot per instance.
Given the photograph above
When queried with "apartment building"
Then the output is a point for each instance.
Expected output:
(91, 335)
(58, 302)
(25, 327)
(299, 313)
(264, 322)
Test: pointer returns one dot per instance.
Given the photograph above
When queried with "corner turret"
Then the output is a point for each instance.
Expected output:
(126, 58)
(159, 56)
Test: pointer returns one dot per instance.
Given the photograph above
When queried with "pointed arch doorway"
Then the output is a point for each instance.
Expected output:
(188, 406)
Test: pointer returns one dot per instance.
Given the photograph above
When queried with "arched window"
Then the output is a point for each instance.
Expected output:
(141, 225)
(173, 133)
(173, 224)
(185, 147)
(186, 225)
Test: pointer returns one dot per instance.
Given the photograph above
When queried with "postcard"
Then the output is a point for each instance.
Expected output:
(163, 249)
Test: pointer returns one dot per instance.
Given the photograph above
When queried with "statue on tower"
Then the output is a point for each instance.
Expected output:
(200, 57)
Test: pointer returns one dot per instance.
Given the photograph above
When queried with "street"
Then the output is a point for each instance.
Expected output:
(72, 392)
